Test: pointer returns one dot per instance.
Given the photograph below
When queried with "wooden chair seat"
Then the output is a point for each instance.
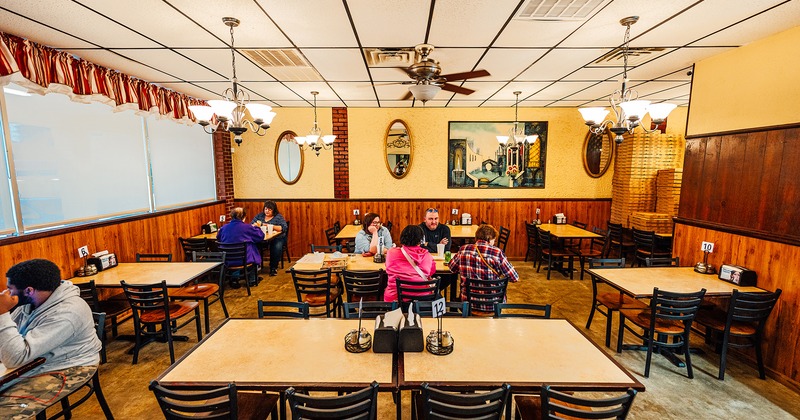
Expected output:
(486, 314)
(197, 291)
(529, 407)
(559, 252)
(715, 319)
(318, 299)
(642, 319)
(255, 406)
(176, 310)
(616, 301)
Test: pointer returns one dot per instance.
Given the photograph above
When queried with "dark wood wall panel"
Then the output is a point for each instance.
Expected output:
(309, 219)
(776, 265)
(149, 234)
(747, 180)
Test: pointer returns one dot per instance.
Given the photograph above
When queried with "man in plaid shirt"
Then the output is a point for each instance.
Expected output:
(482, 260)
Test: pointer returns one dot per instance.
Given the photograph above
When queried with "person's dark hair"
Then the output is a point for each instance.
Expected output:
(38, 273)
(486, 233)
(238, 213)
(269, 204)
(411, 235)
(368, 218)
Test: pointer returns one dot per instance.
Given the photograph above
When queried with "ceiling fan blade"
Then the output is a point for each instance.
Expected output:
(407, 96)
(457, 89)
(465, 75)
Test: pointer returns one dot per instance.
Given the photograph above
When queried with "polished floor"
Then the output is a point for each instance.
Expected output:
(670, 394)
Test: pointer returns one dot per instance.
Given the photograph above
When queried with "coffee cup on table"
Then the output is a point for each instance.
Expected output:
(440, 250)
(270, 229)
(263, 229)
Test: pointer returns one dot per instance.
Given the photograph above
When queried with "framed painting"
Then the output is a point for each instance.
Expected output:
(475, 158)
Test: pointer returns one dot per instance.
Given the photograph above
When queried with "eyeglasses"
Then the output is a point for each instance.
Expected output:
(376, 223)
(432, 210)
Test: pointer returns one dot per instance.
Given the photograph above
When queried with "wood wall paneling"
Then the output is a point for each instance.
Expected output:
(309, 219)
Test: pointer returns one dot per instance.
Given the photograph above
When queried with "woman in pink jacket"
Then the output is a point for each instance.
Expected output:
(398, 264)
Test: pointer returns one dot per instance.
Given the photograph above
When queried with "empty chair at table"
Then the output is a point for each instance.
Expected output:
(484, 262)
(607, 301)
(281, 309)
(410, 262)
(142, 257)
(552, 404)
(218, 403)
(554, 253)
(597, 248)
(359, 405)
(363, 285)
(646, 247)
(190, 245)
(433, 403)
(663, 262)
(533, 243)
(326, 248)
(115, 309)
(502, 237)
(522, 310)
(211, 290)
(369, 310)
(317, 288)
(451, 309)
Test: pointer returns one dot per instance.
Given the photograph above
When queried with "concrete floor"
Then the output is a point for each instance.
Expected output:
(670, 394)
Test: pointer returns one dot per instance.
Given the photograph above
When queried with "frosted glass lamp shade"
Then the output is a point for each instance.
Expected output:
(659, 112)
(329, 139)
(300, 140)
(634, 110)
(593, 115)
(202, 112)
(223, 108)
(260, 111)
(424, 92)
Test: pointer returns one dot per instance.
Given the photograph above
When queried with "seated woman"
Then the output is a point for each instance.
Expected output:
(482, 260)
(367, 239)
(401, 262)
(271, 216)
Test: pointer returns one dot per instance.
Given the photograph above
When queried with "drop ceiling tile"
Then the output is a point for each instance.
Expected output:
(174, 64)
(392, 74)
(527, 89)
(560, 63)
(390, 23)
(776, 20)
(665, 93)
(353, 91)
(304, 90)
(535, 33)
(653, 88)
(337, 64)
(506, 64)
(597, 74)
(572, 104)
(318, 23)
(124, 64)
(41, 34)
(467, 104)
(590, 91)
(456, 60)
(453, 20)
(273, 91)
(676, 59)
(394, 92)
(483, 90)
(219, 60)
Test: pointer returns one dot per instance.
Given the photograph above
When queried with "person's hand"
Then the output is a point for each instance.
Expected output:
(444, 241)
(372, 229)
(7, 301)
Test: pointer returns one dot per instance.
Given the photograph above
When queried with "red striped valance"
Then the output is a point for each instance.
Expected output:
(44, 70)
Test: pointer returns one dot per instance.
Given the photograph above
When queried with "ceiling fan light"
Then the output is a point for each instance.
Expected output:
(223, 108)
(659, 112)
(424, 92)
(202, 112)
(593, 116)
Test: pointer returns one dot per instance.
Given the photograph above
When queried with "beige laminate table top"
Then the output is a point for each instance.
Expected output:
(213, 235)
(463, 231)
(348, 231)
(639, 282)
(566, 231)
(276, 354)
(358, 263)
(525, 353)
(176, 274)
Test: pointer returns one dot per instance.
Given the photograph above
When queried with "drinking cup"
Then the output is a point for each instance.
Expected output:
(270, 229)
(440, 250)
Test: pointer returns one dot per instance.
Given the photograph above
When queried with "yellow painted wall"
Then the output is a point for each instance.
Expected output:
(255, 174)
(757, 85)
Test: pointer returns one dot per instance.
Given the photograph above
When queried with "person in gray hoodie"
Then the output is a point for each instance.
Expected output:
(51, 321)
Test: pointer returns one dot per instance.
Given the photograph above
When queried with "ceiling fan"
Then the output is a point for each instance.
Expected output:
(428, 78)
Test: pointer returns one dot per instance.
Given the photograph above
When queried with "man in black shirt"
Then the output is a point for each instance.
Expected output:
(435, 233)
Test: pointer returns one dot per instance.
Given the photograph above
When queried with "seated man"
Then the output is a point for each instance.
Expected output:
(52, 321)
(435, 232)
(238, 231)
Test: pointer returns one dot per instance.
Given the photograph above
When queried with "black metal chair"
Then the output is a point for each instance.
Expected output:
(502, 238)
(236, 266)
(670, 315)
(207, 293)
(151, 308)
(409, 290)
(286, 245)
(92, 385)
(279, 309)
(555, 405)
(366, 285)
(741, 326)
(522, 310)
(645, 241)
(617, 241)
(389, 226)
(612, 300)
(316, 288)
(326, 248)
(218, 403)
(116, 310)
(330, 235)
(190, 245)
(553, 254)
(359, 405)
(662, 262)
(337, 227)
(482, 295)
(153, 257)
(575, 244)
(533, 243)
(435, 404)
(452, 309)
(597, 248)
(369, 310)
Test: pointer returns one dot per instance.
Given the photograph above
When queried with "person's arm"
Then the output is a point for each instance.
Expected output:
(362, 242)
(506, 269)
(454, 262)
(258, 220)
(48, 334)
(387, 239)
(446, 235)
(278, 223)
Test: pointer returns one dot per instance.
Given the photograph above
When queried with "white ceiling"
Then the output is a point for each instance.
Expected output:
(183, 45)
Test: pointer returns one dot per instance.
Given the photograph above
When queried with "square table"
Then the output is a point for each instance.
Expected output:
(177, 274)
(356, 262)
(565, 231)
(639, 282)
(348, 232)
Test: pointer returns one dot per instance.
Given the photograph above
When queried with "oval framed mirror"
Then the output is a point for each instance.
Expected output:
(289, 158)
(598, 151)
(398, 149)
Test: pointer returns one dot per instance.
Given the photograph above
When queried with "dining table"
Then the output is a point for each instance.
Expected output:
(213, 236)
(562, 232)
(9, 374)
(176, 274)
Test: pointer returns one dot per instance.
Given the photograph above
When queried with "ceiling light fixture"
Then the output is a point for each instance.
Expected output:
(628, 108)
(230, 111)
(516, 137)
(312, 139)
(424, 91)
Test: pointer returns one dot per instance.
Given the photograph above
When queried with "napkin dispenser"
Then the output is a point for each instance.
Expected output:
(384, 338)
(738, 275)
(103, 260)
(559, 219)
(209, 227)
(466, 219)
(410, 339)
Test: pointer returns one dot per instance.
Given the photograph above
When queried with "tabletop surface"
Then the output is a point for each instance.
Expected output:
(280, 353)
(639, 282)
(567, 231)
(463, 231)
(176, 274)
(522, 352)
(359, 263)
(348, 231)
(7, 374)
(213, 236)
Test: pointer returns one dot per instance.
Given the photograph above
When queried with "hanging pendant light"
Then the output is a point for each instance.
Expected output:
(314, 140)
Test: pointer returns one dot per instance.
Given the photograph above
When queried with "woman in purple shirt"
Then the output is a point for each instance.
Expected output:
(397, 264)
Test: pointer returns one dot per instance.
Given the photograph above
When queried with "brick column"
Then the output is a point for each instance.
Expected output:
(223, 165)
(341, 155)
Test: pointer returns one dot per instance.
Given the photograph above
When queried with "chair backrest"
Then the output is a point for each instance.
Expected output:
(359, 405)
(337, 227)
(212, 257)
(601, 243)
(279, 309)
(615, 231)
(88, 292)
(532, 233)
(389, 225)
(644, 239)
(483, 295)
(545, 240)
(439, 404)
(100, 325)
(218, 403)
(452, 309)
(751, 307)
(673, 306)
(606, 262)
(313, 282)
(663, 262)
(190, 245)
(326, 248)
(502, 238)
(153, 257)
(369, 310)
(330, 235)
(557, 405)
(147, 297)
(235, 253)
(578, 224)
(409, 290)
(522, 310)
(363, 284)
